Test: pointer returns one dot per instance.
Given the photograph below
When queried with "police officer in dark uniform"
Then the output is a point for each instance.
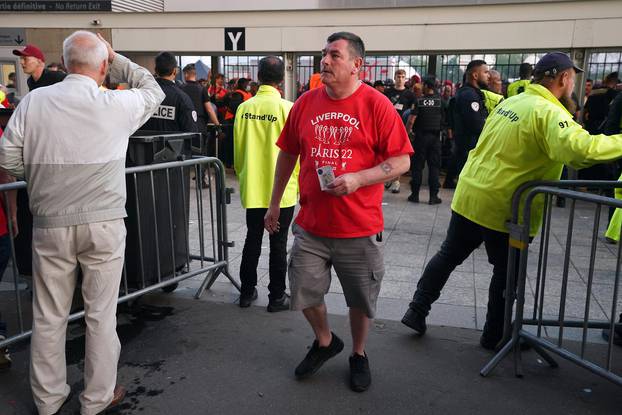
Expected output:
(469, 113)
(201, 101)
(424, 123)
(176, 112)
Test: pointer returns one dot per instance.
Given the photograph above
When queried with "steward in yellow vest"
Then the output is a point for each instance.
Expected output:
(258, 124)
(527, 137)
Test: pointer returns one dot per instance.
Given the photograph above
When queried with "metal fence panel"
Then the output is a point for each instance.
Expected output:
(176, 237)
(549, 309)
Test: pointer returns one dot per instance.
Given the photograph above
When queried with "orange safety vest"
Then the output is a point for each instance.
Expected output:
(245, 97)
(315, 81)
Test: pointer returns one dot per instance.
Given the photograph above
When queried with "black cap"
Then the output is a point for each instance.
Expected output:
(553, 63)
(378, 83)
(429, 81)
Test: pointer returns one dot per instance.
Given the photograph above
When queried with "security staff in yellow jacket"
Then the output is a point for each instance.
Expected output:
(491, 100)
(258, 124)
(516, 87)
(528, 137)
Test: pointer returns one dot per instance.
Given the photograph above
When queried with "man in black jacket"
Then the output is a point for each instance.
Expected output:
(470, 113)
(176, 112)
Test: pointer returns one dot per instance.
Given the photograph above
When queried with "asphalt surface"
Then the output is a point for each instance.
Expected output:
(186, 356)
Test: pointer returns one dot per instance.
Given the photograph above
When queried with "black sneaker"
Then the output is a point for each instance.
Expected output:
(413, 198)
(317, 356)
(435, 200)
(493, 342)
(415, 321)
(247, 300)
(360, 376)
(282, 304)
(489, 343)
(5, 357)
(395, 187)
(617, 337)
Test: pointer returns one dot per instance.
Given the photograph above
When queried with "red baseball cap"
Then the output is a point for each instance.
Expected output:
(30, 50)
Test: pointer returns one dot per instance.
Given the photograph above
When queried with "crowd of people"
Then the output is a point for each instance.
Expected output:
(449, 153)
(333, 151)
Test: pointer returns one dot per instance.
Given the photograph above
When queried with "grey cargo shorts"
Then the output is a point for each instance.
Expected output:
(358, 263)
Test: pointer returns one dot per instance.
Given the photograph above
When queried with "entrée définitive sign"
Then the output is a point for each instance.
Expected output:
(55, 6)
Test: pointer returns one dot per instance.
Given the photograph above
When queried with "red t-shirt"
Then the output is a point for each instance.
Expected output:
(351, 134)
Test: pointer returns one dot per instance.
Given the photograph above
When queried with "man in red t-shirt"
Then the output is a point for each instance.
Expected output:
(350, 141)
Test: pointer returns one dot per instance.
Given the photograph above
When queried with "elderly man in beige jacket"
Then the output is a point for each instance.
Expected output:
(73, 158)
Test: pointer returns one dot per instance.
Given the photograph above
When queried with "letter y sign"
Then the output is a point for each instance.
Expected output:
(235, 38)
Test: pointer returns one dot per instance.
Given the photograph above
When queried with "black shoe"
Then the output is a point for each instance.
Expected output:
(282, 304)
(415, 321)
(489, 343)
(413, 198)
(247, 300)
(435, 200)
(317, 356)
(5, 357)
(494, 343)
(360, 376)
(617, 337)
(395, 187)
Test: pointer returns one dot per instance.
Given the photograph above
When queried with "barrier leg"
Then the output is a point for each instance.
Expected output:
(518, 359)
(501, 354)
(230, 278)
(209, 279)
(543, 354)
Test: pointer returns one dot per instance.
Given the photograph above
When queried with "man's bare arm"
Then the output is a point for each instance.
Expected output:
(285, 165)
(410, 123)
(389, 169)
(211, 114)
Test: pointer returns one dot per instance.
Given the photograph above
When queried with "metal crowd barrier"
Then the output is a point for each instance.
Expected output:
(515, 331)
(200, 247)
(208, 144)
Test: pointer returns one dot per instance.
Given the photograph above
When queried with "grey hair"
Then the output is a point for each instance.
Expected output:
(83, 49)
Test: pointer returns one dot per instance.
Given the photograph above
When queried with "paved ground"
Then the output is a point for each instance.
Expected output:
(200, 359)
(213, 358)
(414, 233)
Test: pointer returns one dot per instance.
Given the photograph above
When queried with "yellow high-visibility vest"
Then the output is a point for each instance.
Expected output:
(258, 124)
(530, 136)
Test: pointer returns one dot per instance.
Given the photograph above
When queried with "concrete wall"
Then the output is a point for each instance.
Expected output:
(50, 41)
(241, 5)
(543, 25)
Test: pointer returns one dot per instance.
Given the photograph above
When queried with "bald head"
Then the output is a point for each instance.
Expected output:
(84, 52)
